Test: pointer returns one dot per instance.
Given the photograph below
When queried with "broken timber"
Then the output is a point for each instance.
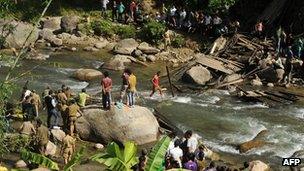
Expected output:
(208, 61)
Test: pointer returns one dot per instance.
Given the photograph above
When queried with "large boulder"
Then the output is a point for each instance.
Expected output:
(87, 74)
(58, 134)
(19, 34)
(20, 164)
(125, 47)
(198, 75)
(52, 23)
(51, 149)
(101, 44)
(121, 124)
(258, 165)
(257, 142)
(46, 34)
(147, 49)
(69, 23)
(118, 62)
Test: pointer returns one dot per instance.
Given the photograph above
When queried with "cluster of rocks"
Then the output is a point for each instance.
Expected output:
(129, 50)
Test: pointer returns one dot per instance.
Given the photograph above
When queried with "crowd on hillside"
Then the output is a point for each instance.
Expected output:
(191, 21)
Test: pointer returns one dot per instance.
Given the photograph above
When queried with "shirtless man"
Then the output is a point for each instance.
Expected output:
(167, 37)
(156, 86)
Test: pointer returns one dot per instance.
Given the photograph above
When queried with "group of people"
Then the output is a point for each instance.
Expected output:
(283, 57)
(128, 88)
(196, 21)
(189, 154)
(175, 17)
(123, 12)
(58, 104)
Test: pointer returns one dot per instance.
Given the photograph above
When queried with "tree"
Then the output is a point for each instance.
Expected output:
(6, 85)
(118, 159)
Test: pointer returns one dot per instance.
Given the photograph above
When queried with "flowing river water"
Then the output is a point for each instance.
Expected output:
(220, 119)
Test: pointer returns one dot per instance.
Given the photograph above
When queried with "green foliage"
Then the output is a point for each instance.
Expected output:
(6, 7)
(221, 4)
(153, 31)
(157, 155)
(38, 159)
(178, 41)
(75, 159)
(118, 159)
(126, 31)
(16, 142)
(103, 27)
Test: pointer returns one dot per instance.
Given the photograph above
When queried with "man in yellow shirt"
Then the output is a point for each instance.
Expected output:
(82, 98)
(131, 89)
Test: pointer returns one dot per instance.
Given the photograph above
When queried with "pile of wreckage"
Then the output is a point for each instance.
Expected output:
(228, 64)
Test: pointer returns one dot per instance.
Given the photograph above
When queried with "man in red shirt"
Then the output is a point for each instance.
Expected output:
(106, 84)
(156, 86)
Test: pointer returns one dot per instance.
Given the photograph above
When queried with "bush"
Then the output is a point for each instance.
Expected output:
(127, 31)
(103, 27)
(178, 41)
(153, 31)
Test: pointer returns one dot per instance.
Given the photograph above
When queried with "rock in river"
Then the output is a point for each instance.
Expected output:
(118, 62)
(125, 47)
(87, 74)
(147, 49)
(121, 124)
(257, 142)
(198, 75)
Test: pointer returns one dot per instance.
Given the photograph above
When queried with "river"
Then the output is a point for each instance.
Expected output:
(220, 119)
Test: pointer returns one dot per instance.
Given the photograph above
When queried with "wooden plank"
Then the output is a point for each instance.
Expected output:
(217, 65)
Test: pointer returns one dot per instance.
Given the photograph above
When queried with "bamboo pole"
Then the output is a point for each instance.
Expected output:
(169, 78)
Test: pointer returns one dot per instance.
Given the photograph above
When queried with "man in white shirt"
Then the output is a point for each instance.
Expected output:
(177, 152)
(192, 141)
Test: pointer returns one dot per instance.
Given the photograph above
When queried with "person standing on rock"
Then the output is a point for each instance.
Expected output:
(73, 109)
(28, 108)
(132, 10)
(288, 66)
(36, 101)
(155, 84)
(42, 137)
(27, 128)
(167, 38)
(68, 147)
(131, 88)
(278, 67)
(125, 84)
(104, 7)
(121, 11)
(68, 92)
(51, 104)
(114, 10)
(106, 84)
(82, 98)
(62, 97)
